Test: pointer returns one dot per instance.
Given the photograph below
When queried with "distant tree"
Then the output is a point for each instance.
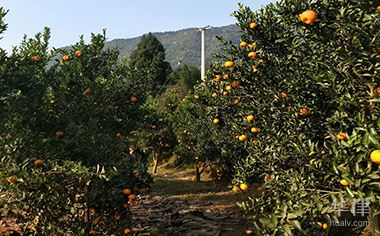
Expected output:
(187, 76)
(149, 59)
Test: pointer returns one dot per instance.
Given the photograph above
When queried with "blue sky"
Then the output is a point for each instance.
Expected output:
(122, 18)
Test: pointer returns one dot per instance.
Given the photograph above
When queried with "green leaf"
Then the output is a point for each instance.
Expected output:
(274, 221)
(349, 191)
(283, 210)
(374, 140)
(295, 214)
(269, 223)
(335, 169)
(296, 224)
(373, 176)
(287, 230)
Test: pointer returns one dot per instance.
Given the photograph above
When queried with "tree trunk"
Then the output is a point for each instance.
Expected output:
(87, 211)
(155, 162)
(197, 173)
(375, 223)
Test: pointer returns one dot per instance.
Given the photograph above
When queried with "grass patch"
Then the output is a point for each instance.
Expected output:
(170, 167)
(216, 193)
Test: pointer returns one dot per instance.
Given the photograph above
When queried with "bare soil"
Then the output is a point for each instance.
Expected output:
(176, 205)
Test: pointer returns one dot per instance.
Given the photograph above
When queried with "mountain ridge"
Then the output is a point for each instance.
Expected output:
(183, 45)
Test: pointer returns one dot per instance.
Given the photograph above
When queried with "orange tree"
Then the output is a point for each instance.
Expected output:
(66, 117)
(185, 113)
(156, 138)
(194, 142)
(198, 139)
(299, 95)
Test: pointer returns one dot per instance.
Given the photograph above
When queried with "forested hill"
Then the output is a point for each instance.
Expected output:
(183, 45)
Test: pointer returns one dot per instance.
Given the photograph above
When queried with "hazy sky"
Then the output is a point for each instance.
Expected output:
(122, 18)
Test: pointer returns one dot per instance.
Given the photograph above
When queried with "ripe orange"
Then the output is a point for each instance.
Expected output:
(235, 189)
(133, 99)
(244, 187)
(243, 137)
(11, 180)
(96, 221)
(325, 226)
(268, 177)
(344, 182)
(59, 133)
(252, 45)
(235, 84)
(283, 95)
(308, 17)
(375, 157)
(378, 8)
(78, 53)
(304, 111)
(216, 121)
(253, 25)
(127, 230)
(88, 91)
(218, 78)
(127, 191)
(236, 101)
(65, 57)
(252, 55)
(255, 142)
(255, 130)
(196, 97)
(254, 69)
(250, 118)
(229, 64)
(38, 162)
(214, 95)
(377, 89)
(225, 93)
(131, 196)
(117, 217)
(228, 88)
(342, 136)
(243, 44)
(36, 58)
(65, 218)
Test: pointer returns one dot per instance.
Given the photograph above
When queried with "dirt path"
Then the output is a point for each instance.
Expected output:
(178, 206)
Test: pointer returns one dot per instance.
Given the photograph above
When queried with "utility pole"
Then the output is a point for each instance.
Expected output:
(203, 29)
